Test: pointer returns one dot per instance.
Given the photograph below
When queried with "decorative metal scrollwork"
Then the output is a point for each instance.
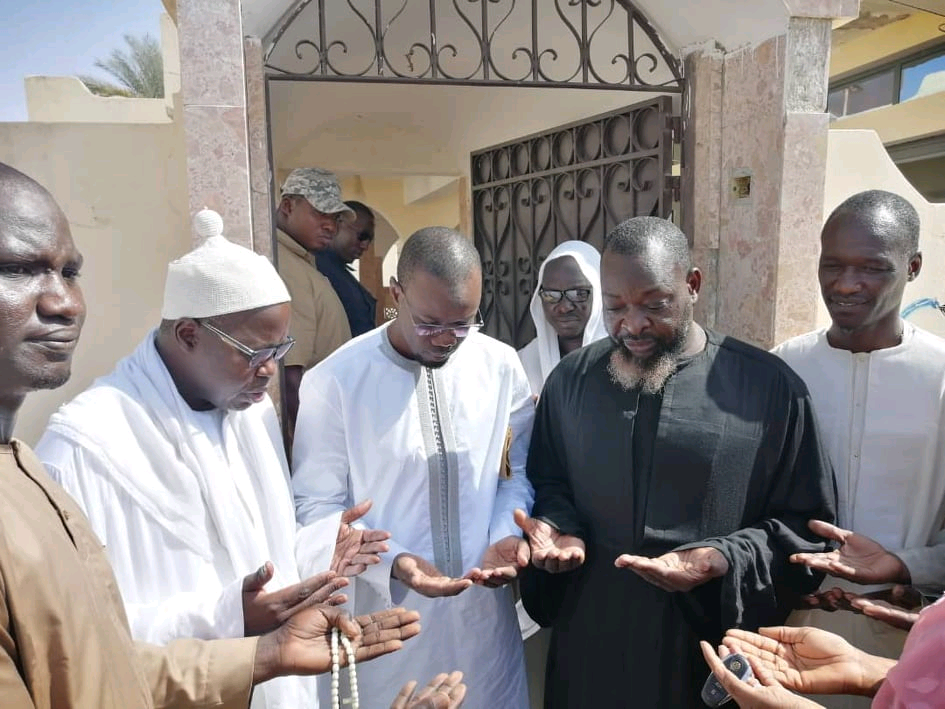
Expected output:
(574, 182)
(571, 43)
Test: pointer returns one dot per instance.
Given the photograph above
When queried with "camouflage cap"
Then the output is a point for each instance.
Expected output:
(321, 189)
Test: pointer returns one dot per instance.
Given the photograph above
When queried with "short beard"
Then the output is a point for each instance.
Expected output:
(49, 380)
(649, 375)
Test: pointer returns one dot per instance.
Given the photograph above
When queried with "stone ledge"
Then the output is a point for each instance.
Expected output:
(823, 9)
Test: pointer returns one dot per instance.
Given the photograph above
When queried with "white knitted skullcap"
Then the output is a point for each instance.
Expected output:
(219, 277)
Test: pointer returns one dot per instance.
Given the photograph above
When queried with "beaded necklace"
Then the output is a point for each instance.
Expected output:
(353, 700)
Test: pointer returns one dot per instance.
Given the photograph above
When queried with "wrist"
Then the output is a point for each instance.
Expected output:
(268, 660)
(395, 567)
(873, 673)
(903, 576)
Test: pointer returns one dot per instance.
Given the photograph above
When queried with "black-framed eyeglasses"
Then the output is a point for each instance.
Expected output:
(431, 330)
(573, 295)
(257, 358)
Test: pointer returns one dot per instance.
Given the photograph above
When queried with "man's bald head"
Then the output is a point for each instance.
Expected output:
(24, 203)
(443, 253)
(650, 238)
(885, 215)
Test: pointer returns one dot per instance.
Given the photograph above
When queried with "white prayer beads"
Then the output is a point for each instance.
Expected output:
(353, 700)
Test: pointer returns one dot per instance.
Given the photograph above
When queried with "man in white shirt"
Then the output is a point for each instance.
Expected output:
(176, 458)
(878, 385)
(432, 419)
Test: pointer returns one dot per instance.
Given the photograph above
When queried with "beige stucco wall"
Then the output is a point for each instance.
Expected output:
(884, 44)
(900, 122)
(857, 161)
(128, 217)
(64, 99)
(388, 196)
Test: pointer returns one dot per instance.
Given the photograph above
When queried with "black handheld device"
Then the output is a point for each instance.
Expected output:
(713, 693)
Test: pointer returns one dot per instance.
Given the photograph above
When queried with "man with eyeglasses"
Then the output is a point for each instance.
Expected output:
(177, 460)
(307, 219)
(431, 419)
(566, 309)
(348, 245)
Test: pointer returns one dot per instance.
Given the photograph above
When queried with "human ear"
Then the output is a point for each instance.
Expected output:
(694, 282)
(185, 333)
(915, 266)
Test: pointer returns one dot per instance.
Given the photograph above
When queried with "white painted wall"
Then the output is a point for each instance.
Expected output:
(124, 191)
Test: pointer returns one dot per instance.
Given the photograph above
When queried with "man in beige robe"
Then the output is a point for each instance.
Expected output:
(64, 637)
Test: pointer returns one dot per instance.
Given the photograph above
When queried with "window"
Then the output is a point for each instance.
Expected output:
(924, 78)
(902, 80)
(858, 96)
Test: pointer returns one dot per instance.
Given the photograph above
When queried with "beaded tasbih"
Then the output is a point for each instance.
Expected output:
(353, 700)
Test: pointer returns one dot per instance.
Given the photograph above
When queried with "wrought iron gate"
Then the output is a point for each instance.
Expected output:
(573, 182)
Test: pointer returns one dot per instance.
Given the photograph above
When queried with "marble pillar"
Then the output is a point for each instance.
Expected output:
(755, 154)
(213, 95)
(702, 156)
(260, 175)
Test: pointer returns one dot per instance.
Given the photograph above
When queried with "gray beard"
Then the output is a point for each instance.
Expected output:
(649, 377)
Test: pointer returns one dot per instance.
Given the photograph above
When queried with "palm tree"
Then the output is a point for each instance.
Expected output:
(139, 71)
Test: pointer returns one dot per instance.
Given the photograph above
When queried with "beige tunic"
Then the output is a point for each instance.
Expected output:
(64, 638)
(319, 323)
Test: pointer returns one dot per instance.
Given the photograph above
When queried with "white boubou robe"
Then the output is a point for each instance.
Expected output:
(431, 448)
(186, 502)
(882, 416)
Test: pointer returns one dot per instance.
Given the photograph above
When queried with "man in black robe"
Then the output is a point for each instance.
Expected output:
(675, 470)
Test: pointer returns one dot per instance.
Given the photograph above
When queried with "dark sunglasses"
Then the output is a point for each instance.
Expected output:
(574, 295)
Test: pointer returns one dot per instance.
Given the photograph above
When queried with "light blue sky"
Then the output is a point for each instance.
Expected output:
(63, 38)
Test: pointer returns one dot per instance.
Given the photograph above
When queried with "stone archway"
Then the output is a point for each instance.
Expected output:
(560, 44)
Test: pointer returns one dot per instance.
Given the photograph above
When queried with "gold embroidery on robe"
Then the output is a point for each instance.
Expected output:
(506, 471)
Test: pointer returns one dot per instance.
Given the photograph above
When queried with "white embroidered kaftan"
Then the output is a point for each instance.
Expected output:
(427, 445)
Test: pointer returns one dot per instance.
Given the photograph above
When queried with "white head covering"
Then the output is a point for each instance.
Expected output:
(546, 341)
(219, 277)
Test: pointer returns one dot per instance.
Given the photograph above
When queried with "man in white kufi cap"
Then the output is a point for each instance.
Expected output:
(176, 457)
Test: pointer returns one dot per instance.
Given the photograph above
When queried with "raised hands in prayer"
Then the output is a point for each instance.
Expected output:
(763, 691)
(677, 570)
(445, 691)
(302, 645)
(551, 551)
(501, 563)
(356, 549)
(264, 611)
(897, 606)
(809, 660)
(421, 576)
(859, 558)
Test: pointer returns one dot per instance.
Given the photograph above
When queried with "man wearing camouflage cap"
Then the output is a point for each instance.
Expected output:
(307, 221)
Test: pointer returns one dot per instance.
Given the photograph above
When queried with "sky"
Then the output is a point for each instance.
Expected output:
(64, 38)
